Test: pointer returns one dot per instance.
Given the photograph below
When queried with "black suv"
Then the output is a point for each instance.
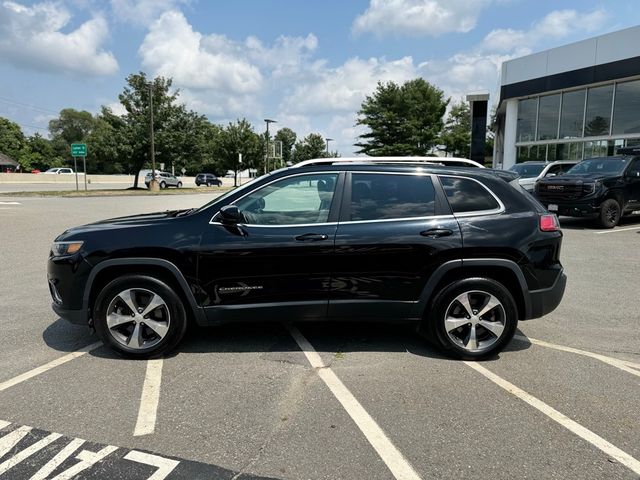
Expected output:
(603, 188)
(207, 179)
(464, 253)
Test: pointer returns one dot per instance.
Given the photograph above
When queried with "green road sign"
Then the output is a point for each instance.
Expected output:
(78, 149)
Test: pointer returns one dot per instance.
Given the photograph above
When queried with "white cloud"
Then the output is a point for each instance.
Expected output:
(343, 88)
(142, 12)
(554, 26)
(33, 37)
(419, 17)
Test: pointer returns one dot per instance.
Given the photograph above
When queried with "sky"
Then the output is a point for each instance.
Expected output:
(307, 64)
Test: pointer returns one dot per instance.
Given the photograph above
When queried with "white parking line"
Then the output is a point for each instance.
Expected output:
(48, 366)
(390, 455)
(149, 399)
(10, 203)
(614, 362)
(571, 425)
(4, 423)
(617, 230)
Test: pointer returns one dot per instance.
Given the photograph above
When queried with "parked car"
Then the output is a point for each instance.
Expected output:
(207, 179)
(604, 188)
(60, 171)
(335, 239)
(531, 172)
(164, 180)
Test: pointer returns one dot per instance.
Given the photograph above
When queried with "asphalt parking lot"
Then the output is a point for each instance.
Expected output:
(318, 401)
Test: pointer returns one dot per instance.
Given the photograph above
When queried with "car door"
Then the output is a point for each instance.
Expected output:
(394, 231)
(277, 263)
(632, 188)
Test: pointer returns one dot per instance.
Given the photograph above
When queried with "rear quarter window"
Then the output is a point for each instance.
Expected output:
(466, 195)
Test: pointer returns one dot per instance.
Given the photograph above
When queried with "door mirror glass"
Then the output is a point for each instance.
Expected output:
(230, 214)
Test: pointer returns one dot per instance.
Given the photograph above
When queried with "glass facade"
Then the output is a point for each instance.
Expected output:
(580, 123)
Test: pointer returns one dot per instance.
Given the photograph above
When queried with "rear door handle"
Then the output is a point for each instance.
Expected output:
(436, 232)
(311, 237)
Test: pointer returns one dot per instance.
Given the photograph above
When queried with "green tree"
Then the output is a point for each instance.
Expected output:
(288, 138)
(108, 143)
(456, 135)
(401, 120)
(311, 146)
(38, 153)
(239, 137)
(12, 140)
(72, 125)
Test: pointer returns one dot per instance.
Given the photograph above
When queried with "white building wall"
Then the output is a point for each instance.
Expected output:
(510, 130)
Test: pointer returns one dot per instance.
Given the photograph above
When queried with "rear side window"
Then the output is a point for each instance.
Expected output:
(380, 196)
(466, 195)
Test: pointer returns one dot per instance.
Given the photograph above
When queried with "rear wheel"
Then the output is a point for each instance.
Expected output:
(609, 213)
(472, 318)
(139, 316)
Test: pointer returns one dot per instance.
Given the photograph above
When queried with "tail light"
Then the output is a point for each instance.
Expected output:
(549, 223)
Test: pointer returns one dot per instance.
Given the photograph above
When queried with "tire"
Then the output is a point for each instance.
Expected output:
(179, 185)
(148, 334)
(609, 213)
(163, 185)
(454, 336)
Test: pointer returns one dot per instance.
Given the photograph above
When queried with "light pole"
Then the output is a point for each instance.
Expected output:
(266, 143)
(328, 140)
(153, 185)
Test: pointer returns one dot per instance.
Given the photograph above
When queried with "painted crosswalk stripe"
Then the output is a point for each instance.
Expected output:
(390, 455)
(594, 439)
(48, 366)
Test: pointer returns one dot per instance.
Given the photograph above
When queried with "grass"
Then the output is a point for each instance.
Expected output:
(115, 192)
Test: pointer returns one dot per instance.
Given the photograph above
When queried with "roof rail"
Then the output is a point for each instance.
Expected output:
(436, 161)
(631, 150)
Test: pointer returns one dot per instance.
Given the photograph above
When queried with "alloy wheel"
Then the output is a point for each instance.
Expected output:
(475, 321)
(138, 319)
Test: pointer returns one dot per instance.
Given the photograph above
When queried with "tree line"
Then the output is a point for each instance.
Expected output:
(407, 119)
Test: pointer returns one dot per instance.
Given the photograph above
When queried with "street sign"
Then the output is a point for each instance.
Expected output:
(184, 170)
(78, 149)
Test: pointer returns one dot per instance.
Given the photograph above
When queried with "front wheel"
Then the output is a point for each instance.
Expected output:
(609, 213)
(179, 185)
(139, 316)
(472, 318)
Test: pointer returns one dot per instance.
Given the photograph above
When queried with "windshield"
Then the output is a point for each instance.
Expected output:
(235, 190)
(528, 170)
(600, 165)
(52, 170)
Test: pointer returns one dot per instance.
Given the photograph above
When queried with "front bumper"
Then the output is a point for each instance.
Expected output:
(546, 300)
(572, 209)
(77, 317)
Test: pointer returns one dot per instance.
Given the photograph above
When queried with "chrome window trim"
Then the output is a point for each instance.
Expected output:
(501, 208)
(333, 172)
(404, 219)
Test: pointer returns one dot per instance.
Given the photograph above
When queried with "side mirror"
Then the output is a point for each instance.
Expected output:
(230, 214)
(634, 173)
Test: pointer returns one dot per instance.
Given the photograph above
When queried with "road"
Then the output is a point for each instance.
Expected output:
(353, 402)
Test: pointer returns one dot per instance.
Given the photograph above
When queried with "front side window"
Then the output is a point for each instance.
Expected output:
(466, 195)
(385, 197)
(303, 199)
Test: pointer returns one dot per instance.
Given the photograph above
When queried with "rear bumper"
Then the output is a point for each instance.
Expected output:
(77, 317)
(546, 300)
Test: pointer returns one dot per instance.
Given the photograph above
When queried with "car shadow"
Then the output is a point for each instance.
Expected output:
(273, 337)
(577, 223)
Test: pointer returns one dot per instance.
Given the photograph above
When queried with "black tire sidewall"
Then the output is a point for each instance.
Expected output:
(179, 184)
(436, 314)
(604, 222)
(177, 325)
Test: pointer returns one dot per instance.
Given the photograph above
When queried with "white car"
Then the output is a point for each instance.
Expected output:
(531, 172)
(60, 171)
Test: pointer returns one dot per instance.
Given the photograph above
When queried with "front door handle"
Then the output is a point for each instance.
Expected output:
(311, 237)
(436, 232)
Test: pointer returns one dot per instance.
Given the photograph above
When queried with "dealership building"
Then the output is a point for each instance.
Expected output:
(572, 102)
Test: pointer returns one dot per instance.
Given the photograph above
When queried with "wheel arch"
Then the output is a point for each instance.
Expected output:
(507, 272)
(108, 270)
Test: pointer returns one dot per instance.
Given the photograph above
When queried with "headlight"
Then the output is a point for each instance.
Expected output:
(59, 249)
(592, 187)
